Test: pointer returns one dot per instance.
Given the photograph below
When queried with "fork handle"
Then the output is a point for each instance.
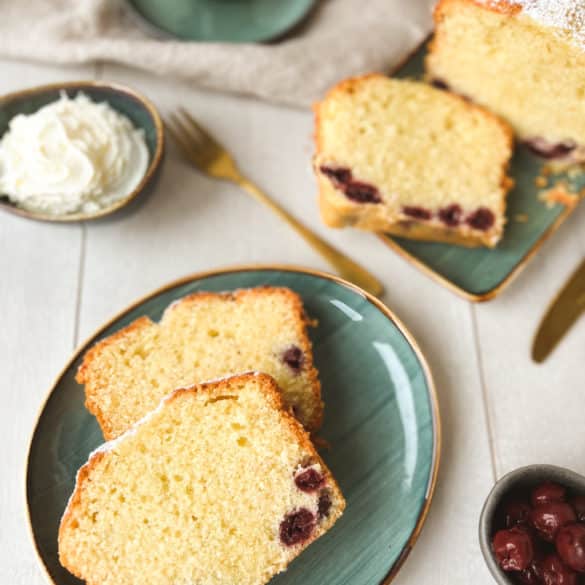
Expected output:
(346, 267)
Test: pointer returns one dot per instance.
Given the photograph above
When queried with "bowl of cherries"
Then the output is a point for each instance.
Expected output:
(532, 527)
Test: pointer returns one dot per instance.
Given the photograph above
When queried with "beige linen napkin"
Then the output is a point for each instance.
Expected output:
(341, 38)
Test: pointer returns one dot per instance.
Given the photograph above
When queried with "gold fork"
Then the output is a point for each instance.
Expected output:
(214, 160)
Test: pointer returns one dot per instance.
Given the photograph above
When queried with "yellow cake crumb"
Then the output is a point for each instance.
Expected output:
(541, 181)
(201, 337)
(559, 194)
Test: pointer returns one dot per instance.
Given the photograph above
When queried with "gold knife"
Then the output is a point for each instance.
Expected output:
(565, 308)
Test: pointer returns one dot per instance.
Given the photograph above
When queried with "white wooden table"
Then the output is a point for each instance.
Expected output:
(59, 283)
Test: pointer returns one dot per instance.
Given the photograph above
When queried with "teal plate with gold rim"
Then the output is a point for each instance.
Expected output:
(381, 421)
(227, 21)
(480, 274)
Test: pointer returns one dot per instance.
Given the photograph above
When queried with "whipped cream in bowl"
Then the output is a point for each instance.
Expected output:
(77, 151)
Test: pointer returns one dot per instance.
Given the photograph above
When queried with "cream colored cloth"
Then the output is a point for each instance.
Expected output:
(341, 38)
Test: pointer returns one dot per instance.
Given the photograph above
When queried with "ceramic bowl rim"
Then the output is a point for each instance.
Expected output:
(382, 308)
(155, 159)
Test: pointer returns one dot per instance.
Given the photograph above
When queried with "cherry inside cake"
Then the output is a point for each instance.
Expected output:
(219, 485)
(409, 159)
(522, 59)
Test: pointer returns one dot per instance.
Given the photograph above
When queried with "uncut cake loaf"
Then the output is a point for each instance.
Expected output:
(405, 158)
(218, 486)
(524, 60)
(201, 337)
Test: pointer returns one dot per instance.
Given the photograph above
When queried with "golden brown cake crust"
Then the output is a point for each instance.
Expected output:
(74, 503)
(83, 377)
(349, 213)
(218, 389)
(500, 6)
(349, 86)
(302, 322)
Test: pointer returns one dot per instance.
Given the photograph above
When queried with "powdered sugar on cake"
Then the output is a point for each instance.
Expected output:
(566, 16)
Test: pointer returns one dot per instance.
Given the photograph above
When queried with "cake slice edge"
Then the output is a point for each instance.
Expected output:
(92, 390)
(338, 212)
(214, 389)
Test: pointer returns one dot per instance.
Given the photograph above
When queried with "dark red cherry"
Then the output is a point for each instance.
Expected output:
(546, 149)
(513, 548)
(357, 191)
(309, 480)
(549, 517)
(578, 503)
(532, 575)
(439, 83)
(297, 527)
(570, 543)
(294, 358)
(548, 492)
(481, 219)
(324, 504)
(451, 215)
(516, 512)
(555, 572)
(362, 192)
(417, 212)
(338, 175)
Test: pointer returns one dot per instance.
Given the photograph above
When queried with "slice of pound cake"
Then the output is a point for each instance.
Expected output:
(201, 337)
(218, 486)
(402, 157)
(524, 60)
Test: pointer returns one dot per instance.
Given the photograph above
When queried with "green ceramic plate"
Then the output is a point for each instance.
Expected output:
(479, 274)
(381, 419)
(230, 21)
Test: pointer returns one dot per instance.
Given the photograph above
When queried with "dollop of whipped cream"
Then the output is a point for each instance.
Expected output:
(72, 155)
